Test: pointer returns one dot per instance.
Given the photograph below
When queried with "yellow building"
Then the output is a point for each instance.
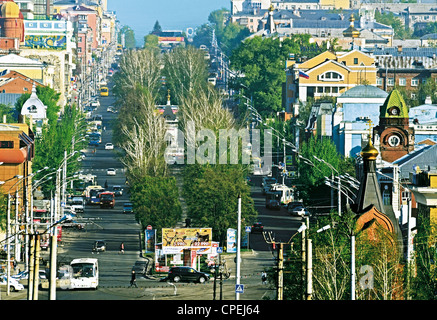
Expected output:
(335, 4)
(328, 74)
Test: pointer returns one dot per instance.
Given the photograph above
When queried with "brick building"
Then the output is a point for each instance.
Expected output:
(15, 82)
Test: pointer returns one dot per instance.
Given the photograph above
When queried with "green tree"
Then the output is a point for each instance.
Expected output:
(156, 29)
(151, 42)
(389, 19)
(261, 61)
(129, 37)
(211, 193)
(155, 201)
(8, 112)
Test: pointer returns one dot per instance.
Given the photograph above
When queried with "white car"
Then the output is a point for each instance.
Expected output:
(14, 285)
(110, 172)
(109, 146)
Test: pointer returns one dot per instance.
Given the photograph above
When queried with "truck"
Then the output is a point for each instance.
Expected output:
(91, 191)
(107, 199)
(78, 204)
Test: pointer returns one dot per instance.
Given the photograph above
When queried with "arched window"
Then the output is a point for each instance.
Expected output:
(331, 76)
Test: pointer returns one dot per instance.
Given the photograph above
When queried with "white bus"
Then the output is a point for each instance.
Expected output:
(85, 273)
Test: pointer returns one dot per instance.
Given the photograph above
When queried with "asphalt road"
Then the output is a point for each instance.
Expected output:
(115, 227)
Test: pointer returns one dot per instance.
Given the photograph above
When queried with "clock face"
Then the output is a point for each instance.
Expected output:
(394, 111)
(394, 141)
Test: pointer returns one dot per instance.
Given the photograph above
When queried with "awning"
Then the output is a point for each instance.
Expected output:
(13, 156)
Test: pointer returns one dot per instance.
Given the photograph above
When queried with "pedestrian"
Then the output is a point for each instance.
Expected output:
(133, 280)
(264, 277)
(106, 184)
(121, 248)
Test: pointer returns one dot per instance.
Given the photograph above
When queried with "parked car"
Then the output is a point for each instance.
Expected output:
(14, 285)
(300, 211)
(24, 275)
(257, 227)
(140, 267)
(99, 246)
(294, 204)
(109, 146)
(127, 207)
(110, 172)
(177, 274)
(118, 190)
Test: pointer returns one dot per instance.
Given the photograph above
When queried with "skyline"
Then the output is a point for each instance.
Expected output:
(171, 14)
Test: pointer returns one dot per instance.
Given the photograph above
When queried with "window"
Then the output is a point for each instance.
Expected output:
(331, 76)
(402, 82)
(379, 81)
(355, 60)
(414, 82)
(6, 144)
(391, 81)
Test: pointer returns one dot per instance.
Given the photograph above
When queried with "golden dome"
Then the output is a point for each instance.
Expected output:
(369, 152)
(10, 9)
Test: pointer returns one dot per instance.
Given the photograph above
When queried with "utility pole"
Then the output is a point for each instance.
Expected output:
(31, 267)
(280, 266)
(309, 270)
(237, 278)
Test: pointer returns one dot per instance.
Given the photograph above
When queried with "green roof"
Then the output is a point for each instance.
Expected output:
(394, 102)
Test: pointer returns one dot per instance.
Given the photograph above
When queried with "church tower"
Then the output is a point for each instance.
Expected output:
(396, 138)
(11, 20)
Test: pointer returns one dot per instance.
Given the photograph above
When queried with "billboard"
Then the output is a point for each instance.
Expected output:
(176, 240)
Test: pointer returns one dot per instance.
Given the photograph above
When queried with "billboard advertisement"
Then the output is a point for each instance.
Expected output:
(231, 240)
(176, 240)
(149, 240)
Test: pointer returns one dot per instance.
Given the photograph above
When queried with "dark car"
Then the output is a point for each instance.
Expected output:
(273, 204)
(140, 267)
(257, 227)
(177, 274)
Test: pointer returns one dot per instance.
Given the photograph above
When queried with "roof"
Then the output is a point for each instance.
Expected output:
(13, 59)
(364, 91)
(394, 99)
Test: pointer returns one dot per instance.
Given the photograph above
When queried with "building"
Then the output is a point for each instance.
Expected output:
(16, 83)
(372, 213)
(393, 134)
(11, 21)
(52, 42)
(328, 74)
(353, 111)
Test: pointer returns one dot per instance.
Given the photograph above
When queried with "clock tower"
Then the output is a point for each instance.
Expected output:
(396, 138)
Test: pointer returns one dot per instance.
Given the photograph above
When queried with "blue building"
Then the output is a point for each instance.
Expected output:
(354, 109)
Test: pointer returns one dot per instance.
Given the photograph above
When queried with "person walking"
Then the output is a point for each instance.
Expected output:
(121, 248)
(133, 280)
(264, 277)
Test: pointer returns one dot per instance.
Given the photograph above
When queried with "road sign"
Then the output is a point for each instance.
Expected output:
(248, 229)
(149, 227)
(220, 250)
(239, 288)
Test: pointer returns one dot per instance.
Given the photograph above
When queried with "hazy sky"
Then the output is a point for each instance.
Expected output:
(141, 15)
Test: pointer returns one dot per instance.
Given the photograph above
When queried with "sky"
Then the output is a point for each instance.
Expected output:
(141, 15)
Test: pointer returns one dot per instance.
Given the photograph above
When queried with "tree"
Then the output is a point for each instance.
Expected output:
(156, 29)
(260, 62)
(138, 67)
(211, 193)
(151, 42)
(155, 201)
(185, 72)
(129, 37)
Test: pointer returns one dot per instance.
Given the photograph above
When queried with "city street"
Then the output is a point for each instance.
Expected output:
(115, 227)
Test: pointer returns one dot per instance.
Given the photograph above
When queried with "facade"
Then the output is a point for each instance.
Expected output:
(52, 42)
(17, 83)
(393, 134)
(11, 21)
(328, 74)
(350, 123)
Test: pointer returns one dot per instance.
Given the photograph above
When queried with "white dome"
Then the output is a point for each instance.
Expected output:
(34, 107)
